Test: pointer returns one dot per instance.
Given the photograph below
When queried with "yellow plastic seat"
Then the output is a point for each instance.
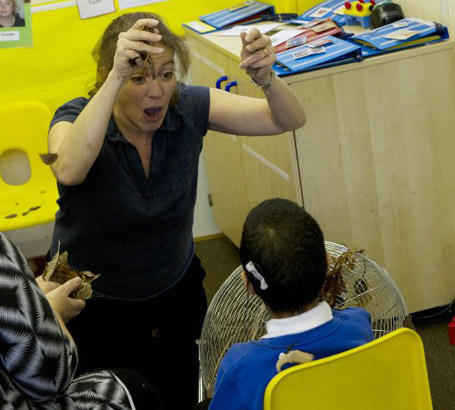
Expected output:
(24, 127)
(386, 374)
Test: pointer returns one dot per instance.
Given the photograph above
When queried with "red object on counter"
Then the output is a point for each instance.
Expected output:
(452, 331)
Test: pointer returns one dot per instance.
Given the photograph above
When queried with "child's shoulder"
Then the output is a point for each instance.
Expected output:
(250, 353)
(352, 313)
(238, 351)
(354, 322)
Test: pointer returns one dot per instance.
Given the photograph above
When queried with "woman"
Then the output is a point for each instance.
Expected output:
(127, 172)
(37, 353)
(9, 16)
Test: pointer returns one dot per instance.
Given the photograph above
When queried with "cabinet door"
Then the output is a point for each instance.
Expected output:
(270, 164)
(377, 165)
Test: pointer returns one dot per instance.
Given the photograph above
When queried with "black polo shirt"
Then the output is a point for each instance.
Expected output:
(136, 232)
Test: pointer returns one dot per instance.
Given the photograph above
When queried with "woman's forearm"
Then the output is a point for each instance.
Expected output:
(285, 108)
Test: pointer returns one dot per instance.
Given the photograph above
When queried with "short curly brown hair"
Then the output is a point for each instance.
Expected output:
(104, 51)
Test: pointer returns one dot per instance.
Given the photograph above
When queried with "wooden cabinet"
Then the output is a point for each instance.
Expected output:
(377, 165)
(243, 171)
(374, 163)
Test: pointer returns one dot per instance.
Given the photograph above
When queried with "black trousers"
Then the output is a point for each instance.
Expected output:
(156, 337)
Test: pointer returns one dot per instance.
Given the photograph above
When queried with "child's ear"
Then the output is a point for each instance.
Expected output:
(247, 283)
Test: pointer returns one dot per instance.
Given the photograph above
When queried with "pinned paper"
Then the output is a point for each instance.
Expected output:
(308, 52)
(302, 53)
(16, 31)
(283, 36)
(297, 41)
(321, 12)
(403, 34)
(318, 43)
(93, 8)
(236, 30)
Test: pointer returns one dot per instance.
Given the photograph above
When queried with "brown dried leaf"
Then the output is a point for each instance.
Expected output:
(58, 270)
(49, 158)
(334, 284)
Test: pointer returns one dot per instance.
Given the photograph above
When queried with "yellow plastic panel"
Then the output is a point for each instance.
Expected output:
(24, 128)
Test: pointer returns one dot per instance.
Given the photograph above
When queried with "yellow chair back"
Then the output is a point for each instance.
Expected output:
(24, 128)
(386, 374)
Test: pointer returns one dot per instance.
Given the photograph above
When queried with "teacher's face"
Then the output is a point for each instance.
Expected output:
(143, 100)
(6, 8)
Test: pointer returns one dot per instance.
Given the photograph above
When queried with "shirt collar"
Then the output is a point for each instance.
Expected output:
(171, 123)
(320, 314)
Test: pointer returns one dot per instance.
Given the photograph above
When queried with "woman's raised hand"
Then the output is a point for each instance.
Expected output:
(257, 55)
(135, 46)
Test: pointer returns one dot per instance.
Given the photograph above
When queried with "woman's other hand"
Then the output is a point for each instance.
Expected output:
(257, 55)
(62, 303)
(135, 45)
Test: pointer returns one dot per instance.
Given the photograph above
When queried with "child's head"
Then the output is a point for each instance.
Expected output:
(286, 246)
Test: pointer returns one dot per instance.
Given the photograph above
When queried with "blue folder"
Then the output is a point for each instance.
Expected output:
(376, 42)
(251, 11)
(333, 5)
(336, 52)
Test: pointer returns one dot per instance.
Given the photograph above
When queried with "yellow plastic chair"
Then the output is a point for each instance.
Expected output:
(387, 374)
(24, 127)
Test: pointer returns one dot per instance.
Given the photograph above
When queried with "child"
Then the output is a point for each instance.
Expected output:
(285, 264)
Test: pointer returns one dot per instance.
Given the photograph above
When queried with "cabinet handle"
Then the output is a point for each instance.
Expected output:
(229, 85)
(220, 80)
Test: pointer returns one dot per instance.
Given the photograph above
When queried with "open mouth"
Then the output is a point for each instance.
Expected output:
(153, 113)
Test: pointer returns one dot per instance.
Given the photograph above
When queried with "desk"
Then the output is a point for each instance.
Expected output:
(374, 164)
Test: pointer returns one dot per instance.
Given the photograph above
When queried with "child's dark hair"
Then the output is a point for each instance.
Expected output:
(286, 245)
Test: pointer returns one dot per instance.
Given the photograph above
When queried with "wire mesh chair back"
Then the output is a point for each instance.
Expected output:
(235, 315)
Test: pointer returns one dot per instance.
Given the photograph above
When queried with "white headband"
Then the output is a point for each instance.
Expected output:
(252, 269)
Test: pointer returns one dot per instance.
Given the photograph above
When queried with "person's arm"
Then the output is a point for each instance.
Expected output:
(31, 341)
(280, 111)
(78, 144)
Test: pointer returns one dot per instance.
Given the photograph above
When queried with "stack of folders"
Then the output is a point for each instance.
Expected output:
(320, 53)
(329, 8)
(408, 32)
(247, 12)
(308, 31)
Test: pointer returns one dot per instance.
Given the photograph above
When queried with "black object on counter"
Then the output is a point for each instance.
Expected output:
(385, 12)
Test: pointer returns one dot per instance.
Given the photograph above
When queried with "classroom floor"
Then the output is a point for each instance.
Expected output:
(220, 257)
